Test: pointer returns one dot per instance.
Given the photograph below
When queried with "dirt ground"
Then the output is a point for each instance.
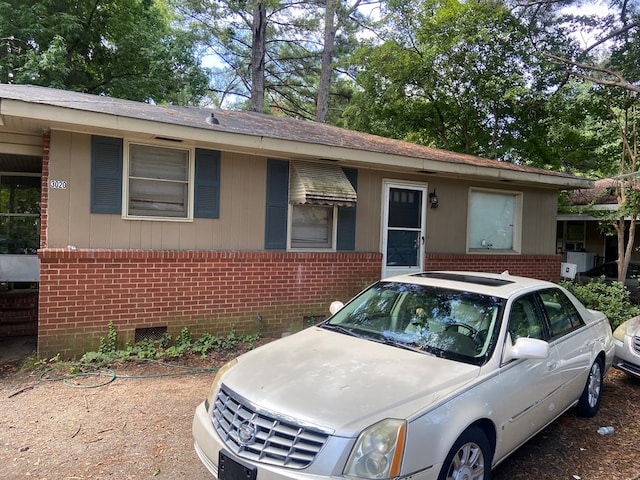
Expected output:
(138, 426)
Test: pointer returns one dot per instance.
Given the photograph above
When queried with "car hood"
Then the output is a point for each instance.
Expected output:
(343, 383)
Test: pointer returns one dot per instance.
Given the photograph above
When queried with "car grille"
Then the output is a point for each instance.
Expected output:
(635, 344)
(264, 437)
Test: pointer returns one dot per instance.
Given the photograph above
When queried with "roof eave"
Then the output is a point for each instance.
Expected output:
(68, 119)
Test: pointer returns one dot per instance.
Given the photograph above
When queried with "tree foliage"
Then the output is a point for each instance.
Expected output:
(121, 48)
(452, 74)
(606, 59)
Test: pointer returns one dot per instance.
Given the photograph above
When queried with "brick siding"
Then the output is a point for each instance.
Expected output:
(18, 313)
(81, 291)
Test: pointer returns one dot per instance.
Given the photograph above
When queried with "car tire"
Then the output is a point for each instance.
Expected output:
(589, 402)
(470, 457)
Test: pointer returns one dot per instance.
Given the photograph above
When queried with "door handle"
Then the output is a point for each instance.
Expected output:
(552, 365)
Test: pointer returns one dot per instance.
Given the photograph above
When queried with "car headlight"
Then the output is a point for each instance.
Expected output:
(620, 332)
(217, 380)
(378, 451)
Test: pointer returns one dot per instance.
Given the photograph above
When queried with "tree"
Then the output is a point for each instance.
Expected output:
(608, 59)
(276, 56)
(451, 74)
(337, 16)
(121, 48)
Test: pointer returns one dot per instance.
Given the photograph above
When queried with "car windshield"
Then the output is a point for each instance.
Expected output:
(453, 324)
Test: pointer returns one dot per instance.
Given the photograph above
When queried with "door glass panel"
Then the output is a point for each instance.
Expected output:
(404, 208)
(401, 248)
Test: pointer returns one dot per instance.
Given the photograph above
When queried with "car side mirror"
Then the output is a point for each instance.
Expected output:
(525, 348)
(335, 307)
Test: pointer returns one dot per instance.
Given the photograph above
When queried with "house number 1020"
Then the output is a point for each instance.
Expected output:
(58, 184)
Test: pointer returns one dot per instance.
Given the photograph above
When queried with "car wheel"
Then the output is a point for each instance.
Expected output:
(469, 458)
(589, 402)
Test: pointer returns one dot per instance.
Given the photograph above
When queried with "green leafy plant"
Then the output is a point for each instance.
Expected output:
(163, 347)
(109, 344)
(205, 344)
(611, 299)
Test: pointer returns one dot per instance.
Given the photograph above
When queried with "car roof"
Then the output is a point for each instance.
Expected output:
(501, 285)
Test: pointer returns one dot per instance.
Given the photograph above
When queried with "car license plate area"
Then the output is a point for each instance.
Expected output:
(229, 469)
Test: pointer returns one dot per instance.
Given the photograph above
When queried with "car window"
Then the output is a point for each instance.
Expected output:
(633, 271)
(453, 324)
(606, 270)
(525, 319)
(562, 314)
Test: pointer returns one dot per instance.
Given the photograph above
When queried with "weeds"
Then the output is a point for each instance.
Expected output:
(166, 347)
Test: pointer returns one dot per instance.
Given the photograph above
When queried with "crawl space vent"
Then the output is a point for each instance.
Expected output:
(152, 334)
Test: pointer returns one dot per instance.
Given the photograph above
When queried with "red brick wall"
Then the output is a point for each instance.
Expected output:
(18, 313)
(543, 267)
(81, 291)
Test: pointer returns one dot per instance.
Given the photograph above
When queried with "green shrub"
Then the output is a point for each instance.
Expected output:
(611, 299)
(183, 344)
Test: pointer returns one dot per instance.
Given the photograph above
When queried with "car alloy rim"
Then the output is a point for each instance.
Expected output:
(594, 384)
(467, 463)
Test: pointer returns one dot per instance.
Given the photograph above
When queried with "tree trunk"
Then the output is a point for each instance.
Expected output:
(258, 49)
(330, 29)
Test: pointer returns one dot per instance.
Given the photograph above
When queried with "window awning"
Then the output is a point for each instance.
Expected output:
(320, 184)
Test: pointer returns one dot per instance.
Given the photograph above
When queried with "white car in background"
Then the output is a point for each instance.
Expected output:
(438, 375)
(627, 347)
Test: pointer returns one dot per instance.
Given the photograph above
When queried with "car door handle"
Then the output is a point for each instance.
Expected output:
(552, 365)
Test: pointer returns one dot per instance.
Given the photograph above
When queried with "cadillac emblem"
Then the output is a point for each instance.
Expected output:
(247, 433)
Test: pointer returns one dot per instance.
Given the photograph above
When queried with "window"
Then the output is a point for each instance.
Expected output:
(312, 226)
(525, 319)
(494, 221)
(562, 314)
(158, 182)
(19, 213)
(310, 206)
(575, 236)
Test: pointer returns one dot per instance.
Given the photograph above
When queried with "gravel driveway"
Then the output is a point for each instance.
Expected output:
(127, 429)
(140, 428)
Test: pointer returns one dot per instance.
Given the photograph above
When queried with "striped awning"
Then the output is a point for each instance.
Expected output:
(320, 184)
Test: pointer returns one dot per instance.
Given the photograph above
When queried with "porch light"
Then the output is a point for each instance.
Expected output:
(433, 199)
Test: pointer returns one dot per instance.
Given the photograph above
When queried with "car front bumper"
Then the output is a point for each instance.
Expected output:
(626, 357)
(208, 445)
(327, 465)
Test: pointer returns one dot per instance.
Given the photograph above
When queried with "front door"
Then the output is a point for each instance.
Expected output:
(403, 230)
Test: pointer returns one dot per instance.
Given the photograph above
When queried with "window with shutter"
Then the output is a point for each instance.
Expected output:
(158, 181)
(310, 206)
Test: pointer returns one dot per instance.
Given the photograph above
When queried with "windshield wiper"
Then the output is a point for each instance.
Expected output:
(341, 329)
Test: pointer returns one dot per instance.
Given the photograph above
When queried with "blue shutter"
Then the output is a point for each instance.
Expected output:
(346, 237)
(207, 184)
(106, 175)
(275, 233)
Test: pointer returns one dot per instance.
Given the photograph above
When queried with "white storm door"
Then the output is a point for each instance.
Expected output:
(403, 228)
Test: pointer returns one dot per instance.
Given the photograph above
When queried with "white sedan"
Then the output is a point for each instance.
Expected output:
(627, 347)
(438, 375)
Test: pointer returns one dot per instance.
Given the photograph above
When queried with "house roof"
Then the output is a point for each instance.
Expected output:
(36, 108)
(602, 193)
